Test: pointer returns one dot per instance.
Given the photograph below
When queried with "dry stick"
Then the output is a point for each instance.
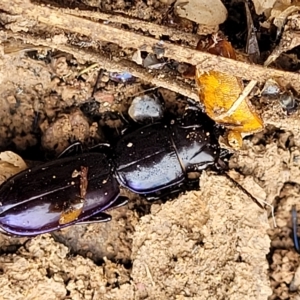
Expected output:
(153, 29)
(29, 14)
(155, 77)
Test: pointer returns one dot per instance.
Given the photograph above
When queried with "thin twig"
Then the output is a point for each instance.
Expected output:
(157, 78)
(154, 29)
(26, 16)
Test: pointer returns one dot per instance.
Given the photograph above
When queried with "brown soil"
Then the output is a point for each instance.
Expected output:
(214, 243)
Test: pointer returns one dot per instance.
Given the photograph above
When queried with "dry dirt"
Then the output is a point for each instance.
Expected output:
(215, 243)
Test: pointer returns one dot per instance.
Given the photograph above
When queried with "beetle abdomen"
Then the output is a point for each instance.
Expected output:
(57, 194)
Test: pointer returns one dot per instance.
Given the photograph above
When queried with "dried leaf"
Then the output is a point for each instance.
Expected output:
(72, 212)
(218, 92)
(225, 99)
(74, 207)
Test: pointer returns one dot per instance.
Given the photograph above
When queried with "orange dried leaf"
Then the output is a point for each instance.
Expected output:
(71, 213)
(217, 46)
(234, 139)
(218, 92)
(222, 97)
(74, 207)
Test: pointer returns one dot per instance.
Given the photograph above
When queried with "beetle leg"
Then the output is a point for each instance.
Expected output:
(103, 217)
(170, 192)
(98, 218)
(121, 201)
(294, 228)
(73, 149)
(77, 148)
(100, 147)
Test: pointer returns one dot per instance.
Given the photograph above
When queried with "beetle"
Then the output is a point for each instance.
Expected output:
(153, 160)
(295, 228)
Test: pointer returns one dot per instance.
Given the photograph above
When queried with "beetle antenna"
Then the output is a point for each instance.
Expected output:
(244, 191)
(295, 227)
(252, 197)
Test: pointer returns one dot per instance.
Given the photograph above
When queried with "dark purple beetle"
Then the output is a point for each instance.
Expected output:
(153, 160)
(295, 229)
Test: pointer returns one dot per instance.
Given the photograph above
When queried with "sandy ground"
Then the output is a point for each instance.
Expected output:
(214, 243)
